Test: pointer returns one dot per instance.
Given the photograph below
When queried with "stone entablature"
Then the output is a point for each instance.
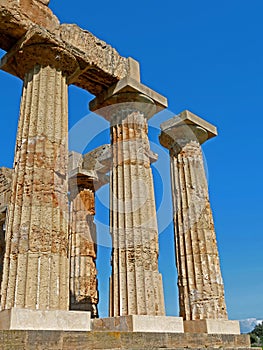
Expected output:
(98, 64)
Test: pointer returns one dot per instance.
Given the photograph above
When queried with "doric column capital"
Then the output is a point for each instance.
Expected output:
(183, 128)
(37, 47)
(88, 171)
(125, 97)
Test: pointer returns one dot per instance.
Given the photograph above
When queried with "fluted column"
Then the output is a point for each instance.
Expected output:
(36, 264)
(36, 259)
(83, 249)
(5, 192)
(201, 289)
(136, 284)
(86, 175)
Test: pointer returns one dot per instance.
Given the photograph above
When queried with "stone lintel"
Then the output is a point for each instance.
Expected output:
(139, 323)
(16, 17)
(100, 65)
(125, 91)
(55, 320)
(40, 46)
(99, 159)
(212, 326)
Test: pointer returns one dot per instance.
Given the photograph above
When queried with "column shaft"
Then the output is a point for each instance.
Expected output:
(201, 290)
(36, 261)
(5, 192)
(83, 273)
(136, 285)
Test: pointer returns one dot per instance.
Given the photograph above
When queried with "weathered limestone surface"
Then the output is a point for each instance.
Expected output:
(48, 320)
(136, 285)
(99, 65)
(5, 187)
(87, 174)
(18, 16)
(83, 273)
(36, 259)
(5, 193)
(212, 326)
(29, 340)
(139, 323)
(201, 289)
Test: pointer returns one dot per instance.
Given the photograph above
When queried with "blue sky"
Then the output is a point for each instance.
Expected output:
(205, 56)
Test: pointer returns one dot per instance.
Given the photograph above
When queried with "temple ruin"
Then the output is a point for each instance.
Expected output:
(48, 238)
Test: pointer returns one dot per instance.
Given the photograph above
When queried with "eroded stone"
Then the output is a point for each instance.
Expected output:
(136, 284)
(201, 289)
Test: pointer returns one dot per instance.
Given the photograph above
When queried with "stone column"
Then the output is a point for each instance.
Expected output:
(36, 262)
(86, 175)
(5, 193)
(83, 249)
(36, 265)
(136, 284)
(201, 289)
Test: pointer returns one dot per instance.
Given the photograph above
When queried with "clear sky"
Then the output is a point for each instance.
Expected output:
(205, 56)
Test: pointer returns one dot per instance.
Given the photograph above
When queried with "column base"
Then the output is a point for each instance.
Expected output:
(55, 320)
(212, 326)
(139, 323)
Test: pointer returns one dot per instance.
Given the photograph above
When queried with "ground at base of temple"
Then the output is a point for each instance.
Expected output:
(59, 340)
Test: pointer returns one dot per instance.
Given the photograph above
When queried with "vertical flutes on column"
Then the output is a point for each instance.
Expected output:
(6, 175)
(201, 289)
(136, 284)
(86, 175)
(36, 263)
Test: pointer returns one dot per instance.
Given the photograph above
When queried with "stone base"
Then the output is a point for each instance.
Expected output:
(43, 340)
(212, 326)
(55, 320)
(139, 323)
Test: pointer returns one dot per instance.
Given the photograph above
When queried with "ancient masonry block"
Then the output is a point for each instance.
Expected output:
(201, 289)
(98, 64)
(136, 285)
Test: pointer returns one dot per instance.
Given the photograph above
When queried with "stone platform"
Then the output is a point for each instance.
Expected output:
(212, 326)
(59, 340)
(53, 320)
(139, 323)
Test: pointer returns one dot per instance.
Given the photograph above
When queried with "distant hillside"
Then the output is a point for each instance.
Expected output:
(249, 324)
